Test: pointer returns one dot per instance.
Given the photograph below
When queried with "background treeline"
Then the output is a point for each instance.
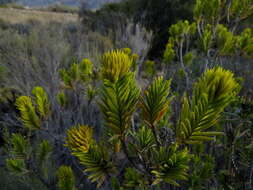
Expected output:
(58, 74)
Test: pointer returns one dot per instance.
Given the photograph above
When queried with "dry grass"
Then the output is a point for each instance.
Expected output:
(22, 16)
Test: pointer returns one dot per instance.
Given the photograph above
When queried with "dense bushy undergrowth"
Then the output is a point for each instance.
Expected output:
(80, 111)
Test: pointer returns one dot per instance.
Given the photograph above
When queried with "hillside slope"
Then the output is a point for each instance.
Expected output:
(15, 16)
(91, 3)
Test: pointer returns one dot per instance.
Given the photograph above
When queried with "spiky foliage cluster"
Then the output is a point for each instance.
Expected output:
(31, 160)
(94, 157)
(171, 165)
(97, 162)
(66, 178)
(34, 112)
(134, 179)
(119, 92)
(16, 166)
(78, 81)
(182, 29)
(155, 102)
(19, 152)
(149, 158)
(86, 67)
(43, 155)
(61, 99)
(79, 138)
(143, 139)
(28, 163)
(115, 64)
(22, 156)
(203, 173)
(77, 73)
(169, 53)
(118, 103)
(42, 101)
(211, 94)
(20, 146)
(29, 116)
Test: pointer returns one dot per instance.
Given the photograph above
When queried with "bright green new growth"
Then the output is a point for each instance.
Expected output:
(94, 157)
(206, 40)
(225, 40)
(70, 77)
(66, 178)
(169, 53)
(115, 65)
(28, 109)
(86, 67)
(211, 94)
(28, 114)
(182, 29)
(78, 73)
(42, 101)
(80, 138)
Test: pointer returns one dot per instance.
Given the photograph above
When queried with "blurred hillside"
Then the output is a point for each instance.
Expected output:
(16, 16)
(93, 4)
